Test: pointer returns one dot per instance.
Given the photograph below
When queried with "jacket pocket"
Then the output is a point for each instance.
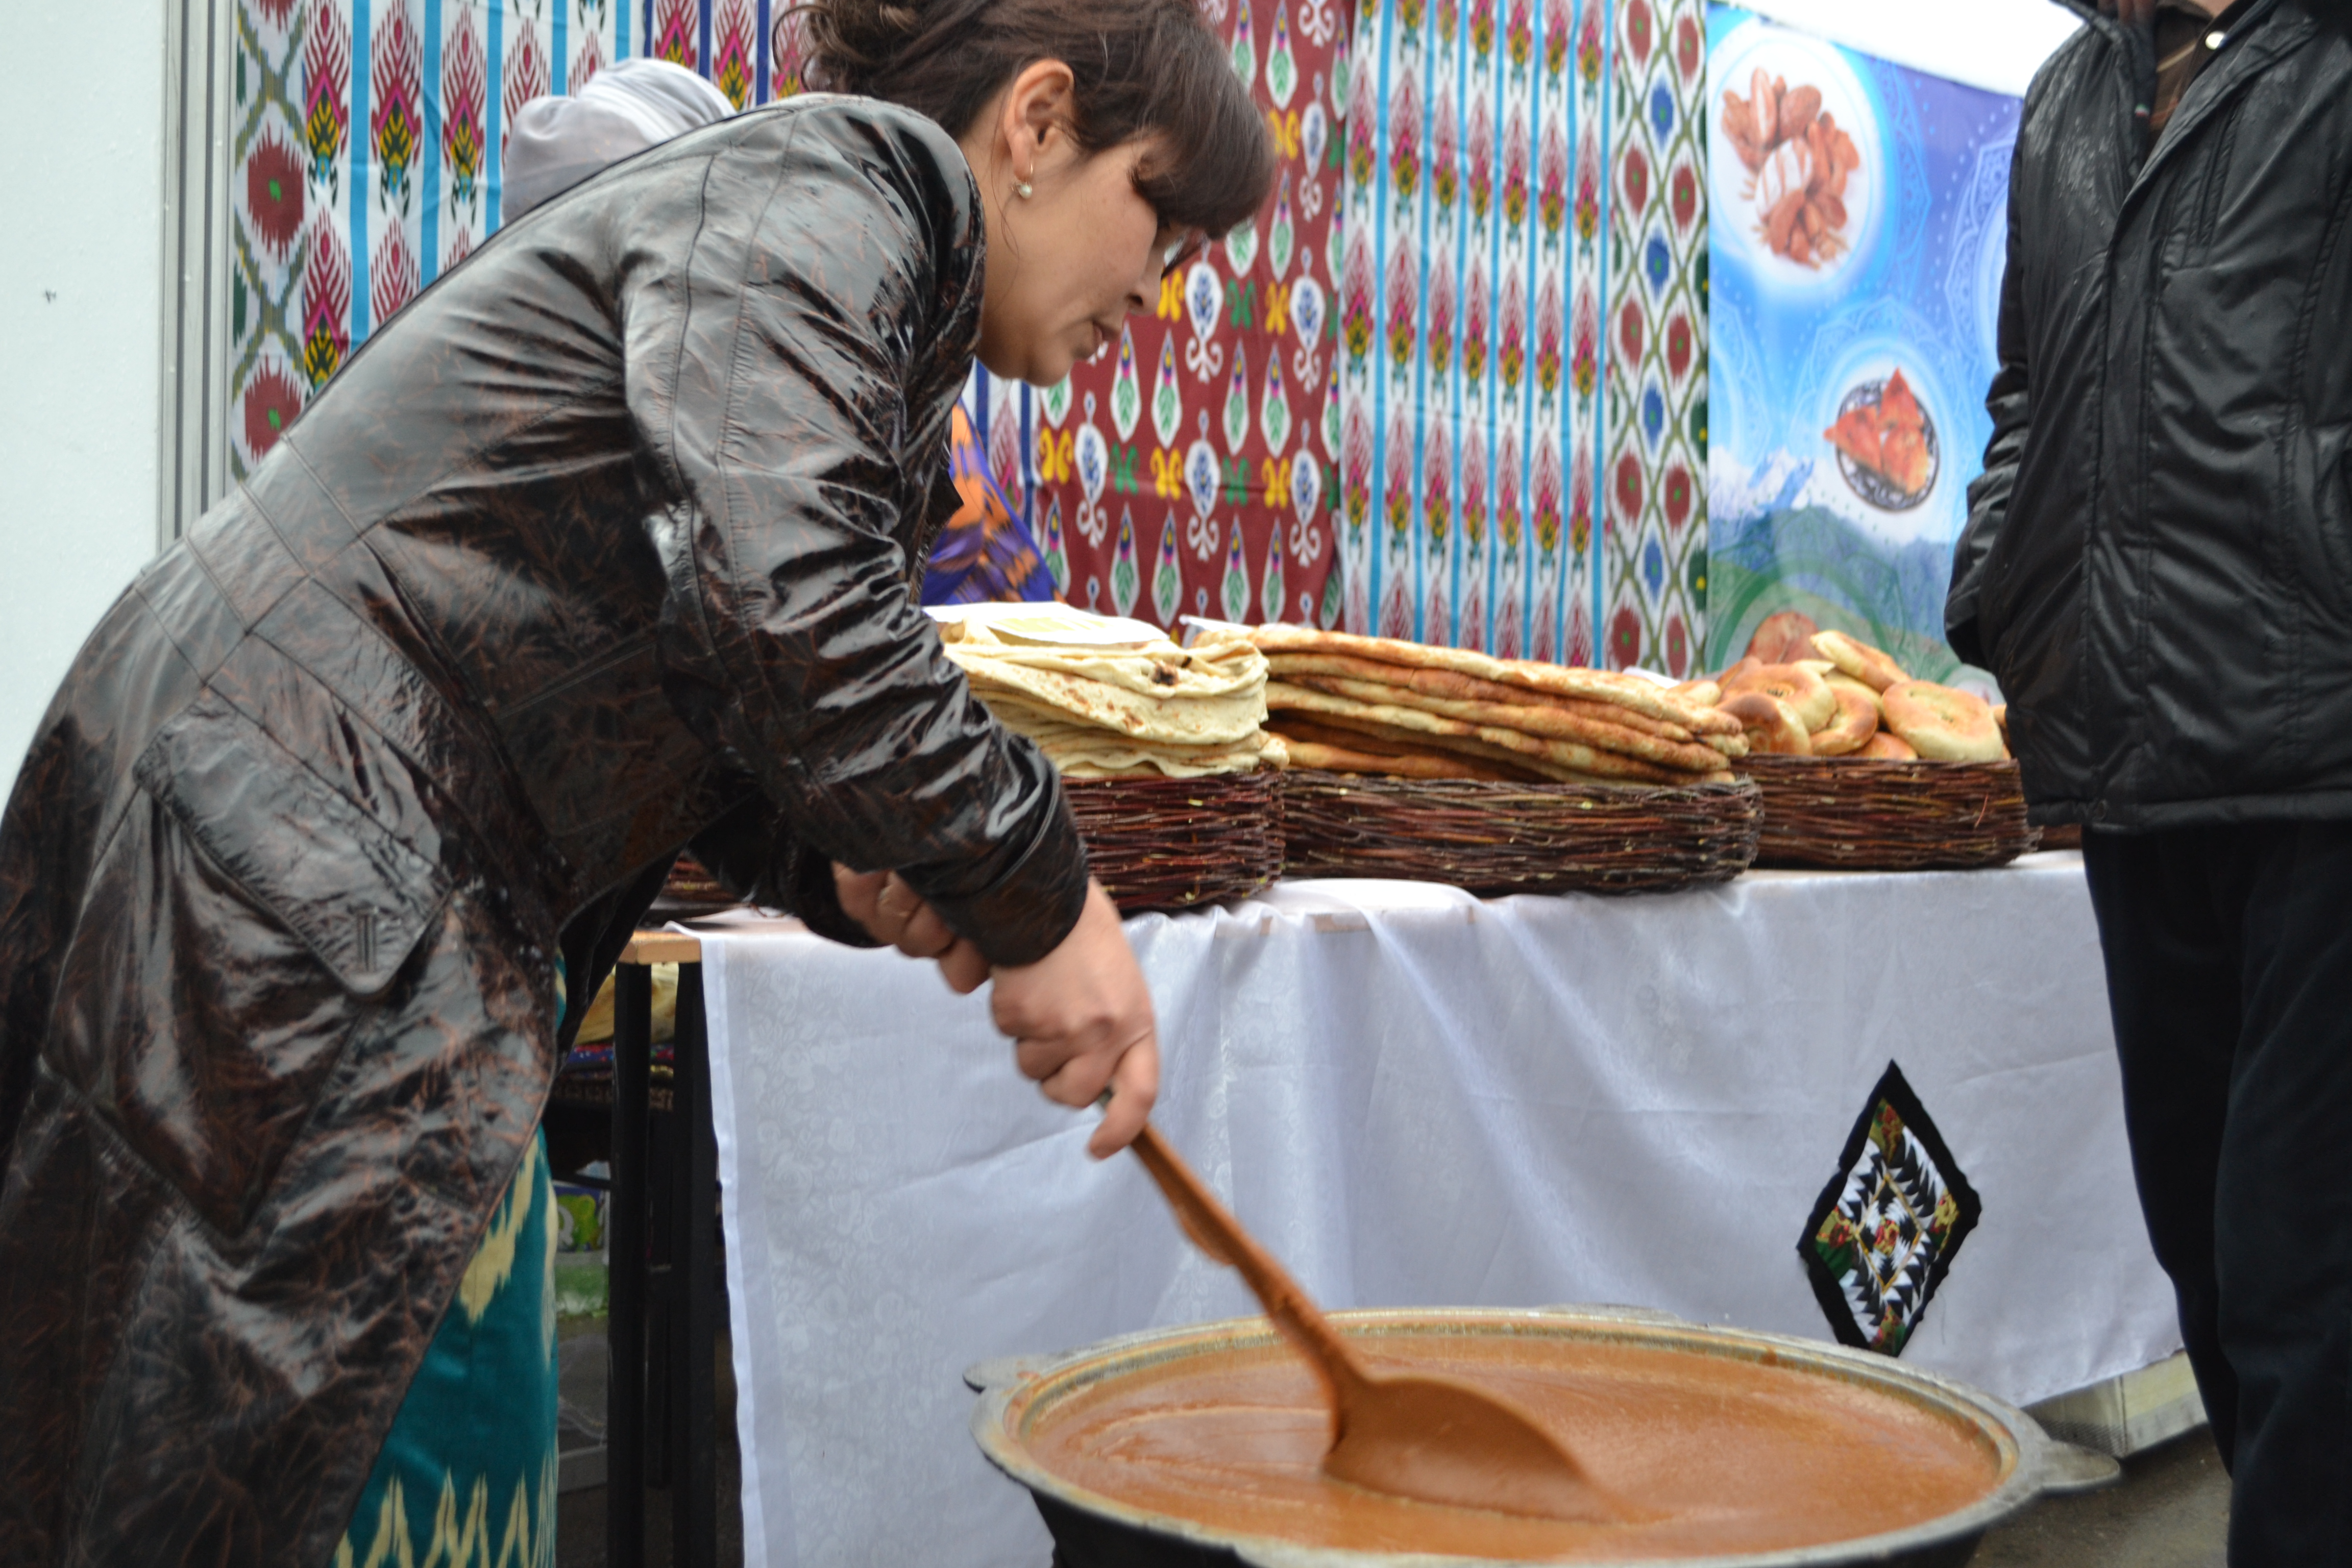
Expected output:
(357, 897)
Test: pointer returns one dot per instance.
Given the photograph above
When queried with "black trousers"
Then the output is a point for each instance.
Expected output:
(2229, 953)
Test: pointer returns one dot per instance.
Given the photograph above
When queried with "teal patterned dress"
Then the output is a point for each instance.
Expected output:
(466, 1478)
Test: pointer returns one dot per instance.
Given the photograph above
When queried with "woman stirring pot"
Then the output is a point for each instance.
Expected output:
(602, 547)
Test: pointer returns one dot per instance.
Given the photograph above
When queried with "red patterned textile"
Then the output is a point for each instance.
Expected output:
(1190, 471)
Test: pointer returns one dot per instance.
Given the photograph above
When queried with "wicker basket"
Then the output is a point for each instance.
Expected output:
(1166, 844)
(1875, 816)
(1517, 839)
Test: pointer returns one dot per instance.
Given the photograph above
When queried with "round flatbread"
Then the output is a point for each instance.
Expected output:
(1806, 693)
(1856, 722)
(1783, 636)
(1401, 764)
(1772, 726)
(1886, 747)
(1857, 658)
(1705, 693)
(1528, 718)
(1183, 717)
(1943, 725)
(1559, 681)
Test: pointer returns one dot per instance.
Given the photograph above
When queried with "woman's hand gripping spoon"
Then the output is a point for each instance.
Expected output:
(1432, 1438)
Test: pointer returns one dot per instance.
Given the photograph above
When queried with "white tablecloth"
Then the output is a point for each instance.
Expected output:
(1413, 1097)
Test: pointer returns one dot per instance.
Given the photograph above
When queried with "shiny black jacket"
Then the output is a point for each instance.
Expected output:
(603, 544)
(2158, 562)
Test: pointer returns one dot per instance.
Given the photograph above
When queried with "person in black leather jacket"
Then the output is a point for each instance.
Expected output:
(606, 543)
(2158, 567)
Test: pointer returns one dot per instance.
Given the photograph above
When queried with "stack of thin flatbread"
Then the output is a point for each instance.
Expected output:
(1380, 705)
(1106, 698)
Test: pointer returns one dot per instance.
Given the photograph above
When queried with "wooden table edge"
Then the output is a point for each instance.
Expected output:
(663, 947)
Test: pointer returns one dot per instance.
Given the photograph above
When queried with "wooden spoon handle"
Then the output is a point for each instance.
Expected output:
(1217, 1233)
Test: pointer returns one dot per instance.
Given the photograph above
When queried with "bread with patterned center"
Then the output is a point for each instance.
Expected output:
(1942, 724)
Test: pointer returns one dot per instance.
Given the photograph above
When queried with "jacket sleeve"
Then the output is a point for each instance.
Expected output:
(835, 260)
(2010, 401)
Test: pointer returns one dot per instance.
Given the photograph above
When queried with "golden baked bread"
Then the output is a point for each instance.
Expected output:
(1781, 637)
(1553, 680)
(1542, 753)
(1802, 688)
(1705, 693)
(1856, 722)
(1528, 715)
(1857, 658)
(1771, 725)
(1943, 725)
(1312, 744)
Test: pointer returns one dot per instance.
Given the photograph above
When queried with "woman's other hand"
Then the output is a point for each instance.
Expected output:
(1081, 1022)
(895, 914)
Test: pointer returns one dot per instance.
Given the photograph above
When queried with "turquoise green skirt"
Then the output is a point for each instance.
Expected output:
(468, 1474)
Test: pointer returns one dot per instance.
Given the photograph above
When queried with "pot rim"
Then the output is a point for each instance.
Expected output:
(1010, 1385)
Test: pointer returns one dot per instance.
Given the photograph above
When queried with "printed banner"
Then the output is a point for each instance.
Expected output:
(1523, 306)
(1859, 240)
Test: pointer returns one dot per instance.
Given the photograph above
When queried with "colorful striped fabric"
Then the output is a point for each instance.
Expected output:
(467, 1473)
(1487, 350)
(1192, 470)
(1523, 316)
(367, 149)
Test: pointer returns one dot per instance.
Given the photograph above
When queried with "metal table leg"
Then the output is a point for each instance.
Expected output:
(661, 1411)
(625, 1410)
(694, 1459)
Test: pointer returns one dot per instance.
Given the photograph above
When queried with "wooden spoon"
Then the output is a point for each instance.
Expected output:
(1432, 1438)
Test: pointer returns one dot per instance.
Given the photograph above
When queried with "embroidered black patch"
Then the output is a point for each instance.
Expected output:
(1886, 1229)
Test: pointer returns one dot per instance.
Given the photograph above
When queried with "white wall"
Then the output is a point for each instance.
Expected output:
(1997, 44)
(80, 322)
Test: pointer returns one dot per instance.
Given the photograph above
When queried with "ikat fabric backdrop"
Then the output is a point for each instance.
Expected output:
(1523, 315)
(1463, 377)
(367, 153)
(1192, 470)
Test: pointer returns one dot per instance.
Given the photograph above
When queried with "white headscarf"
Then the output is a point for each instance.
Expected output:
(630, 105)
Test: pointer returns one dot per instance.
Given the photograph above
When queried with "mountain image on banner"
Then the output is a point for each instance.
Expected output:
(1775, 545)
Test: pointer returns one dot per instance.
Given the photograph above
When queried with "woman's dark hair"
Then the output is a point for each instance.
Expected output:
(1143, 68)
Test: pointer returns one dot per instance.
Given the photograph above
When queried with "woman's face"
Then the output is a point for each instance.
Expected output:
(1068, 261)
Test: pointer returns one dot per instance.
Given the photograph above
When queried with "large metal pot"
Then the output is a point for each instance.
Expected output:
(1094, 1532)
